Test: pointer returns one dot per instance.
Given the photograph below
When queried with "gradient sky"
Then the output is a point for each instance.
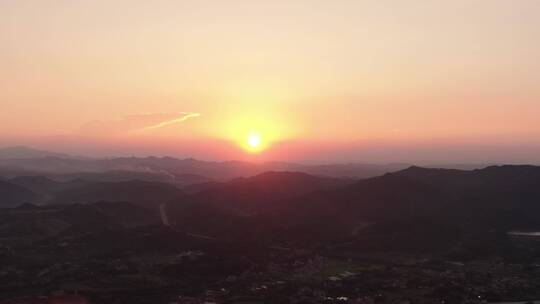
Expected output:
(374, 81)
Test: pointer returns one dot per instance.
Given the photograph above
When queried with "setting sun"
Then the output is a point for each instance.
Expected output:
(254, 142)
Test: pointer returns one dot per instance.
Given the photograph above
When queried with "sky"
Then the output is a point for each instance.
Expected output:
(369, 81)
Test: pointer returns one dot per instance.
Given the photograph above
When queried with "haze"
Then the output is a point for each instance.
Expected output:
(370, 81)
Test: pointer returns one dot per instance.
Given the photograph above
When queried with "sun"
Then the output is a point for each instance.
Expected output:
(254, 142)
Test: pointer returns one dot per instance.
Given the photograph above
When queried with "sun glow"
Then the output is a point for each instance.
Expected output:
(254, 131)
(254, 142)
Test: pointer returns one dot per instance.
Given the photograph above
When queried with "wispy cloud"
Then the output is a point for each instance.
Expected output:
(136, 123)
(173, 121)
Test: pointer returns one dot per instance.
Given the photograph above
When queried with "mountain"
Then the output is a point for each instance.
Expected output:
(44, 187)
(21, 152)
(261, 192)
(498, 197)
(495, 197)
(420, 224)
(355, 170)
(115, 176)
(12, 195)
(36, 222)
(37, 184)
(233, 169)
(386, 196)
(106, 215)
(147, 194)
(245, 208)
(508, 176)
(124, 175)
(289, 206)
(179, 171)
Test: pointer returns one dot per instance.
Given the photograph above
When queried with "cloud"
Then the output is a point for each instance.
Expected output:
(134, 124)
(173, 121)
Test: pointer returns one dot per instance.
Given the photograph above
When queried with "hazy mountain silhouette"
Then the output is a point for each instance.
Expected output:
(12, 195)
(45, 186)
(115, 176)
(502, 198)
(147, 194)
(35, 223)
(299, 206)
(437, 218)
(21, 152)
(179, 171)
(261, 192)
(499, 197)
(496, 197)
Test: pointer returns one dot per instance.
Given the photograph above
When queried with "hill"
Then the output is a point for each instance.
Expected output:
(12, 195)
(296, 207)
(27, 223)
(497, 199)
(21, 152)
(147, 194)
(180, 171)
(262, 192)
(45, 186)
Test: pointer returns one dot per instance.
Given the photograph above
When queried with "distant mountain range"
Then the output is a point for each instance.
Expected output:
(491, 194)
(146, 194)
(262, 192)
(281, 195)
(428, 205)
(12, 195)
(20, 161)
(405, 209)
(21, 152)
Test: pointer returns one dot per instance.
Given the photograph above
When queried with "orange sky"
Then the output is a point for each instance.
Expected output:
(316, 80)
